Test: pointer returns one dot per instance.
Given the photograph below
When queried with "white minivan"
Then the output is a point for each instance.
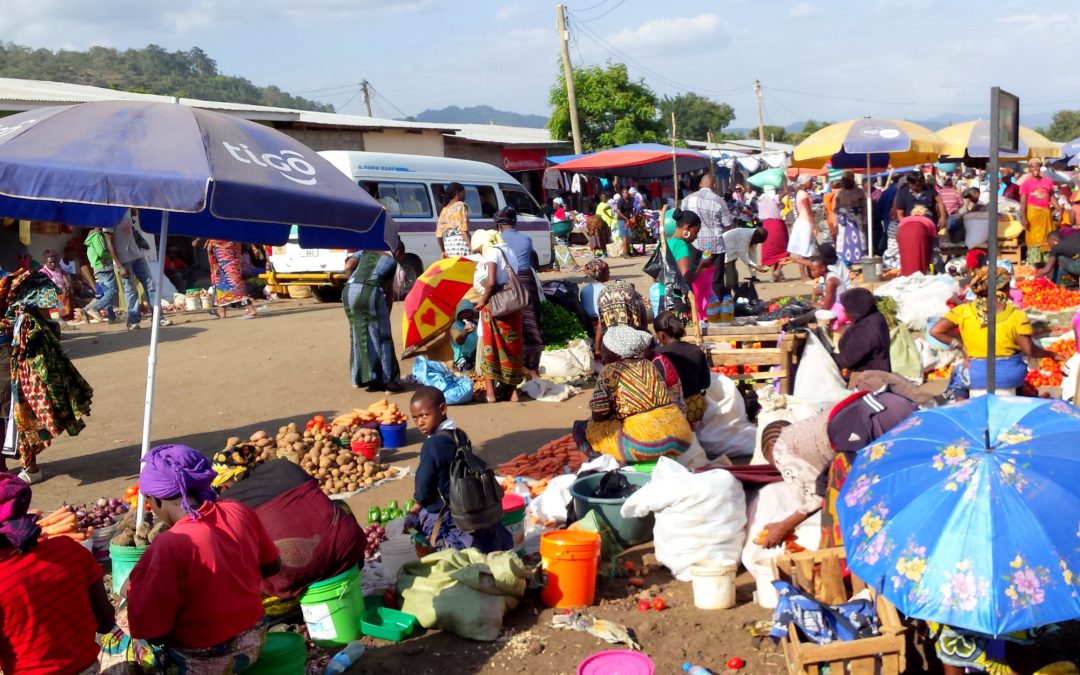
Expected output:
(411, 188)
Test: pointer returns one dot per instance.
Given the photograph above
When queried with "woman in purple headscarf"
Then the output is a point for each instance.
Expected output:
(195, 592)
(54, 600)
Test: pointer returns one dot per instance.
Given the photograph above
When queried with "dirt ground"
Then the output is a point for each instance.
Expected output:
(220, 378)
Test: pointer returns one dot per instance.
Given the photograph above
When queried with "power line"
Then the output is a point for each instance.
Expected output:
(387, 101)
(780, 103)
(326, 89)
(351, 99)
(601, 16)
(592, 7)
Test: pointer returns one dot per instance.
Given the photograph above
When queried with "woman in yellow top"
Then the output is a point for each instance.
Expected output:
(966, 326)
(452, 230)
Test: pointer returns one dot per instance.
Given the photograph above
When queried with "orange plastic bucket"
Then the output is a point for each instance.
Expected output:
(569, 559)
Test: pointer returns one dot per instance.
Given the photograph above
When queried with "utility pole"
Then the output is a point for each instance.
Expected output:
(760, 115)
(568, 75)
(367, 96)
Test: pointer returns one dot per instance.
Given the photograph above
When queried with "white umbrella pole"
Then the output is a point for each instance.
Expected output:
(869, 212)
(151, 360)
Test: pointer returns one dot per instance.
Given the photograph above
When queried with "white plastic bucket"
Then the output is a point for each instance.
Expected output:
(714, 583)
(191, 303)
(206, 302)
(395, 553)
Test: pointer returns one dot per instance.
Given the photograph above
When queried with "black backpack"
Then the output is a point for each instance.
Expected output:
(475, 499)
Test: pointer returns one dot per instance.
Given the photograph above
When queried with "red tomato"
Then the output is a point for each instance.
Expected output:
(629, 565)
(644, 606)
(734, 663)
(658, 604)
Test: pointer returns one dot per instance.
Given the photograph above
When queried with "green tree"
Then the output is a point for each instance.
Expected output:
(774, 133)
(1064, 126)
(612, 109)
(809, 128)
(695, 116)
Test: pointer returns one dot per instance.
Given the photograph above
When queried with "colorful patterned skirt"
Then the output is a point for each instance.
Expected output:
(501, 347)
(644, 437)
(831, 534)
(225, 274)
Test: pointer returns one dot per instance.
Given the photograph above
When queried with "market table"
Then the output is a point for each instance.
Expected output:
(775, 355)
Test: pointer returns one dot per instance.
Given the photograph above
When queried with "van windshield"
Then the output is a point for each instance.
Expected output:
(520, 200)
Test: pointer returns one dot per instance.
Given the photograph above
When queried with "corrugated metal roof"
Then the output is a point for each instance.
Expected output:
(504, 135)
(363, 122)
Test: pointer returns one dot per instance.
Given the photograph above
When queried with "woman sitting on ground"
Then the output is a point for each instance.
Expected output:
(965, 326)
(619, 304)
(54, 601)
(633, 416)
(196, 590)
(689, 362)
(865, 343)
(317, 538)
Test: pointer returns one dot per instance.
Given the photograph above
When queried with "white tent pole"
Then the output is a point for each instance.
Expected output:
(869, 211)
(151, 360)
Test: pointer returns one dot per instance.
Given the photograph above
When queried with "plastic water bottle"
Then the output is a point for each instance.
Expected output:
(727, 310)
(522, 490)
(691, 669)
(344, 659)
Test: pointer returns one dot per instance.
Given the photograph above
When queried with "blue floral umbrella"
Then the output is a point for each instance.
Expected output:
(969, 514)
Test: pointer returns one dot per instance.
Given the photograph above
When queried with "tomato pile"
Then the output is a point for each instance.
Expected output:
(1047, 296)
(1048, 373)
(735, 371)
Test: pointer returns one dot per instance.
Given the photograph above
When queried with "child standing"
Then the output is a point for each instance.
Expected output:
(428, 409)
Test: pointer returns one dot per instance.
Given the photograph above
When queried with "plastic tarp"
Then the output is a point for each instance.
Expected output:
(699, 516)
(920, 297)
(464, 592)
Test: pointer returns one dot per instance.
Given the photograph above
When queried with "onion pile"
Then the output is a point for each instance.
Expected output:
(102, 513)
(375, 535)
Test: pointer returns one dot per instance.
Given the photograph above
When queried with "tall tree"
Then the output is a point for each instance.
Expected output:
(695, 116)
(809, 127)
(612, 109)
(1064, 126)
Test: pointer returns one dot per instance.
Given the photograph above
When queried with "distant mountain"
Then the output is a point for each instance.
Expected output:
(481, 114)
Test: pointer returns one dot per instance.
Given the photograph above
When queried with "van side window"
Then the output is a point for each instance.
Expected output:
(480, 199)
(401, 200)
(520, 200)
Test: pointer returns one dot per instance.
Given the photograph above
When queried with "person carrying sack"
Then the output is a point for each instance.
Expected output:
(458, 503)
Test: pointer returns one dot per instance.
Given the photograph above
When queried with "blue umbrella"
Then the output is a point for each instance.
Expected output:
(969, 514)
(188, 171)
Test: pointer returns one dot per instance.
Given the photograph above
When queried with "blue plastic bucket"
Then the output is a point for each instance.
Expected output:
(393, 435)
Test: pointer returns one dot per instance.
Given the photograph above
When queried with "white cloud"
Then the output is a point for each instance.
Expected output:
(665, 34)
(509, 12)
(1036, 21)
(804, 9)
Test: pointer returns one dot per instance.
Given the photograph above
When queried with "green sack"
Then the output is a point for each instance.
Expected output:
(903, 354)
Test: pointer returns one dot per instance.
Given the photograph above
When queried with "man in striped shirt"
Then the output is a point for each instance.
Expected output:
(715, 218)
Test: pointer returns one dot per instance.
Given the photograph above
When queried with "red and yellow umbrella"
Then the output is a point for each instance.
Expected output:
(429, 306)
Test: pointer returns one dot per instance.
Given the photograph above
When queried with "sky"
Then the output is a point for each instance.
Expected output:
(820, 59)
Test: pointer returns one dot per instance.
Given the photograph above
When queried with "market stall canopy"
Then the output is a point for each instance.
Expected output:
(639, 160)
(971, 140)
(956, 514)
(218, 175)
(868, 142)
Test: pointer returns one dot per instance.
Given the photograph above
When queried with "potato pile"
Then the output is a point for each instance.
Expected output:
(365, 435)
(127, 535)
(338, 471)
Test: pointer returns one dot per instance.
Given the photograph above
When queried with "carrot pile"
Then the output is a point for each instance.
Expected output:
(548, 461)
(63, 523)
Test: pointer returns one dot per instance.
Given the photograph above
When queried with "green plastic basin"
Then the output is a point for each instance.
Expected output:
(629, 531)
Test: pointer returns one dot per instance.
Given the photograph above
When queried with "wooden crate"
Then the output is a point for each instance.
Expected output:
(819, 574)
(776, 349)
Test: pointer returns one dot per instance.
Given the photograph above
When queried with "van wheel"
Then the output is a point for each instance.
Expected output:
(413, 269)
(327, 293)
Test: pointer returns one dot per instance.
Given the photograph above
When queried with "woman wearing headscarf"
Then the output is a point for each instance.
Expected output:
(316, 537)
(865, 342)
(452, 229)
(965, 327)
(633, 416)
(54, 601)
(619, 304)
(196, 589)
(501, 350)
(367, 298)
(915, 238)
(522, 248)
(849, 207)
